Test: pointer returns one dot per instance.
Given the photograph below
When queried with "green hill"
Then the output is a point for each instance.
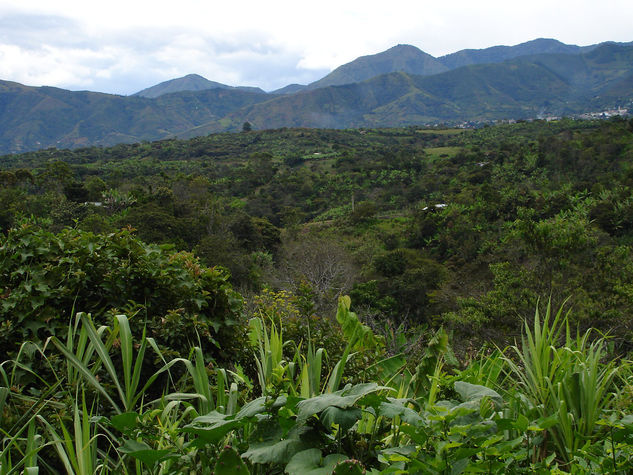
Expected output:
(32, 117)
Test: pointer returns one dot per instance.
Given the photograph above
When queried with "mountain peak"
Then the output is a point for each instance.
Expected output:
(543, 41)
(402, 57)
(195, 77)
(404, 47)
(190, 82)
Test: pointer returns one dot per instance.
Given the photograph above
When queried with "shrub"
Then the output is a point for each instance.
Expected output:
(46, 277)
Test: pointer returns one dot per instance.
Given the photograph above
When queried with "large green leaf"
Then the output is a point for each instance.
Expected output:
(256, 406)
(344, 418)
(397, 408)
(342, 399)
(473, 392)
(312, 462)
(144, 453)
(229, 462)
(124, 422)
(278, 449)
(213, 426)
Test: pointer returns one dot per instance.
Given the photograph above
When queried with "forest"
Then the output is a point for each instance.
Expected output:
(404, 300)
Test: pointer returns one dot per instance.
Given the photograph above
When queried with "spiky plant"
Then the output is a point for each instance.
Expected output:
(563, 377)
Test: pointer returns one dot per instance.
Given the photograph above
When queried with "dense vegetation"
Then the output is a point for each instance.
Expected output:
(126, 348)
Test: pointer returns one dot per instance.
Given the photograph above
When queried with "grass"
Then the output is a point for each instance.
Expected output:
(442, 152)
(440, 131)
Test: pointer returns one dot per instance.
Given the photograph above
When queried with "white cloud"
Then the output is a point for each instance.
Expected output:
(48, 64)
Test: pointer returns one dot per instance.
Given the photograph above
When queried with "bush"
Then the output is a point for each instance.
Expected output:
(47, 277)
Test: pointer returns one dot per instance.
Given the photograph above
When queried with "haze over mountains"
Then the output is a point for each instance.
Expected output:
(400, 86)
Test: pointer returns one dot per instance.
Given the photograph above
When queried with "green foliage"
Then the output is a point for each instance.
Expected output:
(358, 335)
(229, 462)
(130, 393)
(271, 366)
(558, 412)
(468, 226)
(569, 382)
(348, 467)
(47, 276)
(77, 447)
(312, 462)
(469, 229)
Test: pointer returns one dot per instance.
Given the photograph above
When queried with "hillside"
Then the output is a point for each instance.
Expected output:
(32, 118)
(498, 54)
(546, 204)
(522, 88)
(405, 58)
(483, 276)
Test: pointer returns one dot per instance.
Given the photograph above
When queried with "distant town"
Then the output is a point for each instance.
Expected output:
(598, 115)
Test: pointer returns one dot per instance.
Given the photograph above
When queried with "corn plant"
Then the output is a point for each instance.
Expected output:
(21, 442)
(272, 368)
(128, 385)
(77, 447)
(311, 368)
(223, 396)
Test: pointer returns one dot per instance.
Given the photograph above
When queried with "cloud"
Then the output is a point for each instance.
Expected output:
(57, 51)
(49, 65)
(28, 30)
(251, 60)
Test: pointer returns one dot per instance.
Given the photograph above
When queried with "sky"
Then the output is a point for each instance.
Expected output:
(123, 46)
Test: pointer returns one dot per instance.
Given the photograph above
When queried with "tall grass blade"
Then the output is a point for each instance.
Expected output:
(566, 379)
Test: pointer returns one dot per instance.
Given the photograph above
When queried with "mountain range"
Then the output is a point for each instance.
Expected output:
(400, 86)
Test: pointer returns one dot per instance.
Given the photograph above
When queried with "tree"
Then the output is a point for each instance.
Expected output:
(76, 192)
(408, 278)
(55, 176)
(95, 186)
(320, 263)
(247, 127)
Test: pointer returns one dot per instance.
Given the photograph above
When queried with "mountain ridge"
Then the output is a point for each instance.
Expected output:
(401, 57)
(524, 87)
(500, 53)
(520, 88)
(406, 58)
